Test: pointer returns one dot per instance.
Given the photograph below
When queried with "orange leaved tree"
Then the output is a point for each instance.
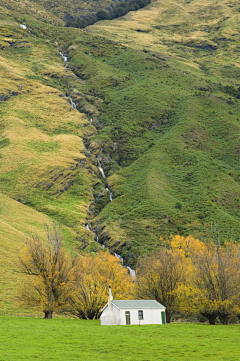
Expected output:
(92, 275)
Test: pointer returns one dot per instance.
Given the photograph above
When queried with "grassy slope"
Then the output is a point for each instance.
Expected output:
(56, 12)
(61, 339)
(167, 118)
(16, 223)
(44, 172)
(168, 131)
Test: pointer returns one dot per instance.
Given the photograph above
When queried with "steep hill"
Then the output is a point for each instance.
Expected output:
(157, 96)
(57, 12)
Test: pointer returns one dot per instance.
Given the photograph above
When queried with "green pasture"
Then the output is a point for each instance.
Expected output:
(71, 339)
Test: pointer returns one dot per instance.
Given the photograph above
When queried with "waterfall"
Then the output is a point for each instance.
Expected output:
(111, 195)
(64, 56)
(100, 168)
(73, 104)
(23, 26)
(118, 256)
(131, 271)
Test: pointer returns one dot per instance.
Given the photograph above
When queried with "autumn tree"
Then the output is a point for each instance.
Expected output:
(51, 271)
(215, 281)
(159, 277)
(92, 275)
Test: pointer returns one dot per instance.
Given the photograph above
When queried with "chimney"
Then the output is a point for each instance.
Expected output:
(110, 298)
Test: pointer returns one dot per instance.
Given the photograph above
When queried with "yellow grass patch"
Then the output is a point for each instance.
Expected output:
(161, 25)
(16, 223)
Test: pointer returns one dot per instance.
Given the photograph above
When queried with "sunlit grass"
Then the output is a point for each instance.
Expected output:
(69, 339)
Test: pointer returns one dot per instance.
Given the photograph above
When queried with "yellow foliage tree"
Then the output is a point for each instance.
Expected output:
(160, 276)
(92, 275)
(212, 274)
(51, 271)
(215, 281)
(193, 277)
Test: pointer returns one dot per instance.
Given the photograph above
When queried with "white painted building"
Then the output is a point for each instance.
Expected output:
(132, 312)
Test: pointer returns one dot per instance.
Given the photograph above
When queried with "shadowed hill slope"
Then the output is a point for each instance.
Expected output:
(57, 12)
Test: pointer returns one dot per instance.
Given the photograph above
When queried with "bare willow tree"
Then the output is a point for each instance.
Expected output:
(159, 277)
(50, 269)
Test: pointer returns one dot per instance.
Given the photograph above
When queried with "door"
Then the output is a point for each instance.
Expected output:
(128, 321)
(163, 318)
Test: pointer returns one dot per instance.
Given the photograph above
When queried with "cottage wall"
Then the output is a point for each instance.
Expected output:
(106, 320)
(150, 316)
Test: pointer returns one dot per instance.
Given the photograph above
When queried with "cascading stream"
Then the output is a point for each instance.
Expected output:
(111, 195)
(132, 272)
(100, 168)
(26, 28)
(87, 227)
(73, 104)
(64, 56)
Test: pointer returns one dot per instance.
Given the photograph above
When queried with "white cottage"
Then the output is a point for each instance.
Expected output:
(132, 312)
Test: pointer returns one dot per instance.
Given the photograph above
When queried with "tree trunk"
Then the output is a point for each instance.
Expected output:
(48, 314)
(223, 318)
(168, 317)
(210, 316)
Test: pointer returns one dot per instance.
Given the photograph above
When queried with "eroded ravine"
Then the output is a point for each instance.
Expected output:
(107, 188)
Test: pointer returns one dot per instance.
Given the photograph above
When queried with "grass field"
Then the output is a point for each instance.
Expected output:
(70, 340)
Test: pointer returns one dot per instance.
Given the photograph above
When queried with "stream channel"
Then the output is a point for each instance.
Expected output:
(131, 271)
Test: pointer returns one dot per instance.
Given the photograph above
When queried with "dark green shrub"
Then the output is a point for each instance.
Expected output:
(178, 205)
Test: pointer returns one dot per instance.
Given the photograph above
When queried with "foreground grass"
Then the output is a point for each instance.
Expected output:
(64, 339)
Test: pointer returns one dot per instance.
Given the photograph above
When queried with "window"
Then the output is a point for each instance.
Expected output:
(140, 315)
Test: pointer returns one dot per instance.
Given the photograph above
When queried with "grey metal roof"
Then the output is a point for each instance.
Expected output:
(137, 304)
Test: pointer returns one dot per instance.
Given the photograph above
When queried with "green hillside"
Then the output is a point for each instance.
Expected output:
(157, 95)
(57, 12)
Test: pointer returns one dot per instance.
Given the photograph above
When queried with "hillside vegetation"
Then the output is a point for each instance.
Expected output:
(57, 12)
(157, 96)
